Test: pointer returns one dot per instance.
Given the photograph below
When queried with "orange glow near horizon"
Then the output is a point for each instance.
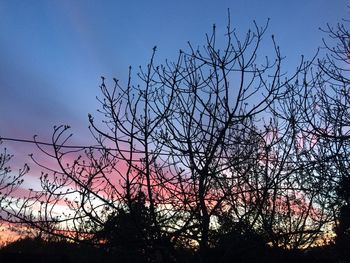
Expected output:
(8, 235)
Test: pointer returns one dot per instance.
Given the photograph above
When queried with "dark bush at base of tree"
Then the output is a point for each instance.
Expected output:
(38, 250)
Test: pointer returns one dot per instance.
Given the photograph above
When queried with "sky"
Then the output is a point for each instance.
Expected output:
(53, 52)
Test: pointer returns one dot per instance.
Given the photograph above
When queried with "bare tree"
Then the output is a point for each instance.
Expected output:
(10, 182)
(192, 152)
(218, 141)
(327, 110)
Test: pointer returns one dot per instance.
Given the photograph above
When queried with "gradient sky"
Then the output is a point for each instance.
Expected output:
(53, 52)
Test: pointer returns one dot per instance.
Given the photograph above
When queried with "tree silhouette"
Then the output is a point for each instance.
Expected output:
(129, 234)
(10, 182)
(219, 153)
(334, 95)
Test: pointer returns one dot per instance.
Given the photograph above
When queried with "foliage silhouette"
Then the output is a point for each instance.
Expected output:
(130, 234)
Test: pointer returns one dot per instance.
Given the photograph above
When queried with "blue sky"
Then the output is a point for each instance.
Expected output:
(52, 53)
